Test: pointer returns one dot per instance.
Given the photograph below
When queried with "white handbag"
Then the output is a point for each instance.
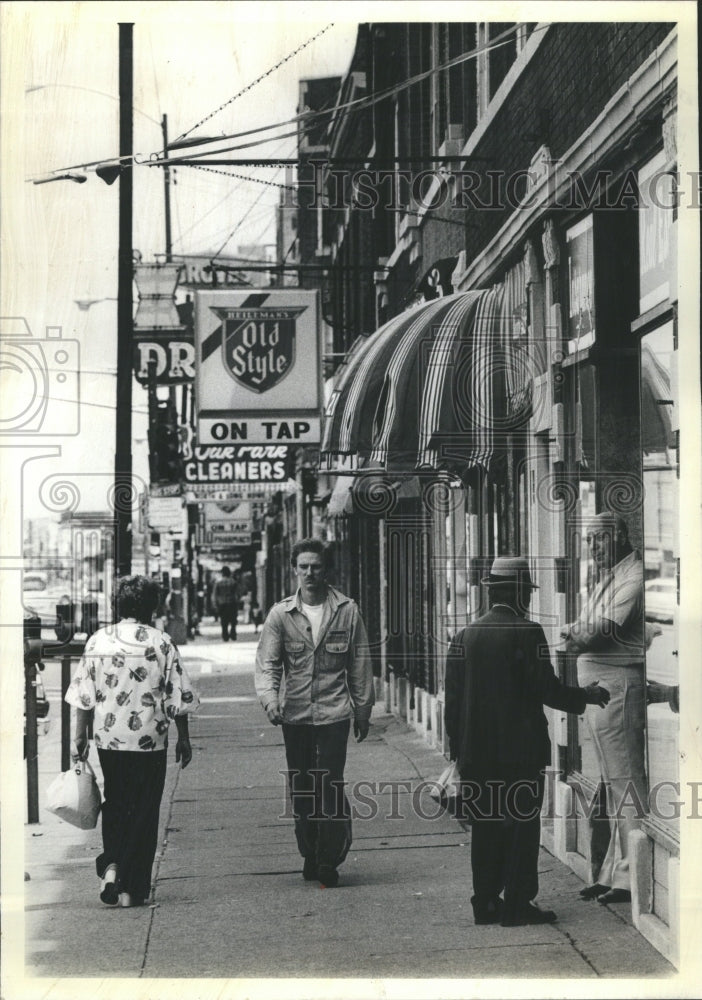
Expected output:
(74, 796)
(447, 788)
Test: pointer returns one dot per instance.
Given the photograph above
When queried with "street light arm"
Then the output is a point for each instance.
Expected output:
(85, 304)
(76, 178)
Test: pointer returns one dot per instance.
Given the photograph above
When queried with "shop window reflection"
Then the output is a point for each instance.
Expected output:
(586, 582)
(660, 564)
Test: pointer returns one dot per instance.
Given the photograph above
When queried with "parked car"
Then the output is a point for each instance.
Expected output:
(660, 596)
(40, 596)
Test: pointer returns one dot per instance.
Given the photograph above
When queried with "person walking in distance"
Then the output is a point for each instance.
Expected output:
(313, 676)
(609, 641)
(225, 596)
(498, 678)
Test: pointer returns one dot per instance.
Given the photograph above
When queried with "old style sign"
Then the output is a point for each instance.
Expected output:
(259, 344)
(257, 366)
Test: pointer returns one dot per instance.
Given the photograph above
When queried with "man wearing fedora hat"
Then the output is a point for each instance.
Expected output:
(498, 678)
(609, 640)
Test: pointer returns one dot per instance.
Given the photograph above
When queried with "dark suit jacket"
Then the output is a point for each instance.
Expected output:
(498, 678)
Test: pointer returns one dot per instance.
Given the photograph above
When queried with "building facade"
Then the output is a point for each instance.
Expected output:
(497, 204)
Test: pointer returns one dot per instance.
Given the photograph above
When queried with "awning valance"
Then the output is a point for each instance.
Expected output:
(438, 387)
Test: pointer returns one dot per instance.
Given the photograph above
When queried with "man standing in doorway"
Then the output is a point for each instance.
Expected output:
(609, 641)
(225, 597)
(313, 676)
(498, 678)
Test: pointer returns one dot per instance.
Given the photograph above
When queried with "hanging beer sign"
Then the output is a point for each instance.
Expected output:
(258, 372)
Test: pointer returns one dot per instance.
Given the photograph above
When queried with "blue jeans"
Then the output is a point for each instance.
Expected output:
(316, 757)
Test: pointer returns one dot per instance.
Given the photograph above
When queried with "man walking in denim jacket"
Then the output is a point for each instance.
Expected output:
(313, 676)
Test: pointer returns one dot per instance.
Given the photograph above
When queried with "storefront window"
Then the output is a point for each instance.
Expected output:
(660, 566)
(457, 528)
(657, 237)
(586, 581)
(581, 285)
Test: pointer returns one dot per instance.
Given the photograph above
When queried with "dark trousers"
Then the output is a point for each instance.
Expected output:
(505, 836)
(316, 757)
(133, 788)
(227, 618)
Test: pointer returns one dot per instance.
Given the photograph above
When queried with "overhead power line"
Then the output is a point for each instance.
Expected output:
(263, 76)
(313, 117)
(157, 159)
(244, 177)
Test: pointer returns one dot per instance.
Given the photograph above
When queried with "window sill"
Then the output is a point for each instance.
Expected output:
(660, 314)
(662, 833)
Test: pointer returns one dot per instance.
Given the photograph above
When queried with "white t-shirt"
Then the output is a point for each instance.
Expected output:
(314, 612)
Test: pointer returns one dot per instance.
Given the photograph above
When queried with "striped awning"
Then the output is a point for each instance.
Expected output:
(437, 387)
(349, 417)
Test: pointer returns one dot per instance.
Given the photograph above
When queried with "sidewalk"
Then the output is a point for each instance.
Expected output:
(230, 901)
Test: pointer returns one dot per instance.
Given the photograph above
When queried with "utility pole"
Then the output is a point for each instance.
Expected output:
(125, 308)
(167, 193)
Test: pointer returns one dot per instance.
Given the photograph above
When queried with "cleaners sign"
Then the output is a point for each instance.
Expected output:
(235, 464)
(258, 372)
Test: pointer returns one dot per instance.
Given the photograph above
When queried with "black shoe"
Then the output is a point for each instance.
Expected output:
(615, 896)
(529, 914)
(489, 912)
(109, 894)
(328, 877)
(593, 891)
(309, 870)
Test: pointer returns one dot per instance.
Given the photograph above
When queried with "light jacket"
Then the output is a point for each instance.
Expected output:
(315, 684)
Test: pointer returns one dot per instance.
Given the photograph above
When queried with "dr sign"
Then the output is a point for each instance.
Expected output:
(258, 372)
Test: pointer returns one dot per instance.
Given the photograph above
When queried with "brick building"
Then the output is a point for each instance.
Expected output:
(494, 207)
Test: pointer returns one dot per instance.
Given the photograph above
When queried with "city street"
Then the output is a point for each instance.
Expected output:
(229, 898)
(394, 317)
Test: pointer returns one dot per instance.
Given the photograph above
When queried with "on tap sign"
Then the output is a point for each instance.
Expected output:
(258, 372)
(226, 524)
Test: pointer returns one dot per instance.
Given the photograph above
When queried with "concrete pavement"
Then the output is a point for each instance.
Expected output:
(229, 900)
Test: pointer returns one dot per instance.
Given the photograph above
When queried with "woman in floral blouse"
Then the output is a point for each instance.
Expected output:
(131, 684)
